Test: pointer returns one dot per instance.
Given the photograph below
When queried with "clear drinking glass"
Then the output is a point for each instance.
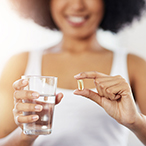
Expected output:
(46, 87)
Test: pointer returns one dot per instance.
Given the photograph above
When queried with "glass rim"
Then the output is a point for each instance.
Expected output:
(39, 76)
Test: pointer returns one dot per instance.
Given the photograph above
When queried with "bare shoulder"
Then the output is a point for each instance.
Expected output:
(17, 61)
(20, 58)
(136, 66)
(12, 71)
(132, 58)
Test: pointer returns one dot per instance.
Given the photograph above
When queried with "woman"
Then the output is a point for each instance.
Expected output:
(78, 121)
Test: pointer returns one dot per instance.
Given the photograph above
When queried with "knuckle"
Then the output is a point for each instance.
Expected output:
(17, 119)
(15, 94)
(97, 81)
(108, 91)
(102, 86)
(127, 85)
(16, 85)
(87, 93)
(83, 74)
(27, 94)
(30, 107)
(126, 92)
(95, 73)
(29, 118)
(17, 106)
(119, 76)
(123, 82)
(113, 96)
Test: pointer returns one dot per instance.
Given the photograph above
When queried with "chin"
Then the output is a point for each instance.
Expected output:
(80, 34)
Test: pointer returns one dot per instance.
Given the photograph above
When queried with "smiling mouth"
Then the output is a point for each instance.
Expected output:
(77, 20)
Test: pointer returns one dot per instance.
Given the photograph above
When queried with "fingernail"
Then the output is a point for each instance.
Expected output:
(35, 95)
(59, 96)
(24, 82)
(35, 117)
(38, 107)
(76, 76)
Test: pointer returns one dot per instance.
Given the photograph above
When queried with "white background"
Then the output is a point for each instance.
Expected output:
(17, 35)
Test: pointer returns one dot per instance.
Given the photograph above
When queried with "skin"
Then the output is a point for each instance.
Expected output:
(115, 96)
(56, 62)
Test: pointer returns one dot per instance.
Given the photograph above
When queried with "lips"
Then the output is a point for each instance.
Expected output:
(77, 20)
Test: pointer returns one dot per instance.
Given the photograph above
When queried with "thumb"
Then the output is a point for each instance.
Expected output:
(59, 97)
(89, 94)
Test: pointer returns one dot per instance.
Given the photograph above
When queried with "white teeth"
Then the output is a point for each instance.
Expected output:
(76, 19)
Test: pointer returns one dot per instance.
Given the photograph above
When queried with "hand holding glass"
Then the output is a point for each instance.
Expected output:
(46, 87)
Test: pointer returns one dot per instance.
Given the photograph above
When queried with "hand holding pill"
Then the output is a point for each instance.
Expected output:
(112, 94)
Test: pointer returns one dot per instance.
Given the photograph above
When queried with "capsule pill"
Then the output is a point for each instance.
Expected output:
(80, 84)
(45, 98)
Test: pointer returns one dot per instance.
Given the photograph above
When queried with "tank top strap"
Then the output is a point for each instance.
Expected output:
(34, 63)
(119, 66)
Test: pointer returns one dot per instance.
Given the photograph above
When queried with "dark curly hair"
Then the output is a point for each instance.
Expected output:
(118, 13)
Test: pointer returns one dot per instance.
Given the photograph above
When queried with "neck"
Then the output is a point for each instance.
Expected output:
(74, 45)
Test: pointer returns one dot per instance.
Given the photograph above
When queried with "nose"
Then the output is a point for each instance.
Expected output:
(78, 5)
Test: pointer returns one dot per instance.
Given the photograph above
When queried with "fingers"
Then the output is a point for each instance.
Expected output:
(103, 86)
(89, 94)
(90, 75)
(27, 107)
(59, 97)
(107, 86)
(20, 107)
(26, 119)
(20, 118)
(25, 94)
(102, 101)
(19, 84)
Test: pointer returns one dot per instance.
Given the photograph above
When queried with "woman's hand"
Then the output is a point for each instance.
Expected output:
(114, 95)
(20, 107)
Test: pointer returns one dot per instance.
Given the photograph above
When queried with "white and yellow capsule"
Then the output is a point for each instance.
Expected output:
(80, 84)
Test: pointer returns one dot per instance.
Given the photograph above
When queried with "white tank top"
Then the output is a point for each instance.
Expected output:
(79, 121)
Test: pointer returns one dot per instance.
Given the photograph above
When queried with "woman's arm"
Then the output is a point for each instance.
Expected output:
(9, 133)
(115, 96)
(137, 74)
(139, 128)
(17, 138)
(12, 71)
